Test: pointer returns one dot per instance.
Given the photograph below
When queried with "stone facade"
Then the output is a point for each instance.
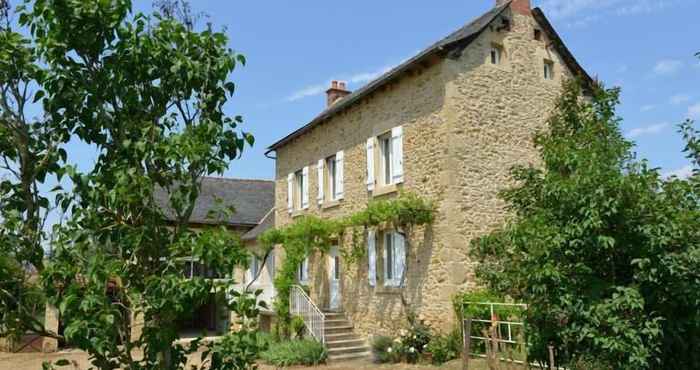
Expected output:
(465, 122)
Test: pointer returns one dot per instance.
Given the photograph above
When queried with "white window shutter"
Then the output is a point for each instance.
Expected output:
(339, 187)
(305, 268)
(305, 188)
(372, 257)
(397, 152)
(370, 164)
(290, 192)
(399, 258)
(320, 169)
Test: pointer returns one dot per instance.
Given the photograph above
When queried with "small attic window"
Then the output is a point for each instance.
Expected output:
(538, 35)
(548, 70)
(496, 54)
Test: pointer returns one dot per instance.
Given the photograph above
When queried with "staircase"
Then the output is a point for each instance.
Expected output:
(331, 328)
(342, 342)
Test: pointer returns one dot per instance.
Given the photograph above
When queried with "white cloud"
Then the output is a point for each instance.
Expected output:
(357, 79)
(648, 107)
(583, 12)
(679, 99)
(647, 130)
(694, 111)
(668, 66)
(681, 173)
(307, 91)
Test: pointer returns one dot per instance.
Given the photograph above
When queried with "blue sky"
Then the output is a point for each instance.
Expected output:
(295, 48)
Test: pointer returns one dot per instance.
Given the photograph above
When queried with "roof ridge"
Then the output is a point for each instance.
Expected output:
(235, 179)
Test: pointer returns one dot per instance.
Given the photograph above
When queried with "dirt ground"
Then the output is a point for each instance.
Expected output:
(79, 360)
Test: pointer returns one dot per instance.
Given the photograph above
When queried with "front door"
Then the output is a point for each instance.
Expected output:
(334, 275)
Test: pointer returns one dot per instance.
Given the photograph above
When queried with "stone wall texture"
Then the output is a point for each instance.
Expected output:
(466, 122)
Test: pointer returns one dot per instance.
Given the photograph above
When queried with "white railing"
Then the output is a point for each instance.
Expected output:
(494, 320)
(300, 304)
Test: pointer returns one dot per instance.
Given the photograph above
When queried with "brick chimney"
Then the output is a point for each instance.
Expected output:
(336, 92)
(518, 6)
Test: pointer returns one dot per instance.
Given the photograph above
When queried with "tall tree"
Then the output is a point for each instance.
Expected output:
(148, 93)
(31, 152)
(602, 248)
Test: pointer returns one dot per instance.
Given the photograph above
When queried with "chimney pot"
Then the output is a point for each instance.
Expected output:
(337, 91)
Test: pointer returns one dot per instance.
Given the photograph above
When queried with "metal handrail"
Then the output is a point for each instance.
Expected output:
(300, 304)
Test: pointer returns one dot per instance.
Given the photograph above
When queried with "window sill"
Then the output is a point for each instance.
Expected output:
(297, 213)
(384, 190)
(330, 204)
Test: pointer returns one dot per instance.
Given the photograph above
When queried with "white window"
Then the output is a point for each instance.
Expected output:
(332, 166)
(548, 70)
(391, 157)
(394, 258)
(386, 155)
(300, 189)
(372, 257)
(253, 269)
(496, 54)
(303, 271)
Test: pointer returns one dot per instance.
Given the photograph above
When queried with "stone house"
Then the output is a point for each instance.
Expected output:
(447, 124)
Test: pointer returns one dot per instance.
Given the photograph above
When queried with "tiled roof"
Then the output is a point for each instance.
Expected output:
(251, 200)
(266, 223)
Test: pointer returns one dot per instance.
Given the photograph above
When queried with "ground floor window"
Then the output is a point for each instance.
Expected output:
(394, 265)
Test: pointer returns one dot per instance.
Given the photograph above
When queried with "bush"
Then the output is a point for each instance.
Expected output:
(295, 352)
(381, 348)
(444, 348)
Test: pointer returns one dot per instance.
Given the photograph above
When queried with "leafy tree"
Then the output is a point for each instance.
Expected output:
(31, 151)
(602, 248)
(147, 92)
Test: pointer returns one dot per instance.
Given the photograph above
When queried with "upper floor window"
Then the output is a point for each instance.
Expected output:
(298, 190)
(548, 70)
(388, 151)
(386, 156)
(330, 178)
(496, 54)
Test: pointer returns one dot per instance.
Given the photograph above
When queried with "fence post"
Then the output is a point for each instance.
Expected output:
(551, 357)
(466, 341)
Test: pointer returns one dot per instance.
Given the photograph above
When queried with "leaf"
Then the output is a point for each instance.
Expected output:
(39, 94)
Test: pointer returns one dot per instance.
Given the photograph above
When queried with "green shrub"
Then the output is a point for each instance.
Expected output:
(444, 348)
(297, 327)
(264, 340)
(295, 352)
(381, 346)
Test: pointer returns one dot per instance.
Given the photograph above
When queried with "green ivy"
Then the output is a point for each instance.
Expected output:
(309, 234)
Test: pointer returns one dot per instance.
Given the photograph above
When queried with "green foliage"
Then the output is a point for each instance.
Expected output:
(295, 352)
(381, 349)
(297, 327)
(603, 250)
(146, 92)
(310, 234)
(444, 348)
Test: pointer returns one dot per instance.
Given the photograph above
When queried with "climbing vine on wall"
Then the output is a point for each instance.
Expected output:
(309, 234)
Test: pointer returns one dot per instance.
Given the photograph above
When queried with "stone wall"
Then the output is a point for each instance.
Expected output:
(466, 123)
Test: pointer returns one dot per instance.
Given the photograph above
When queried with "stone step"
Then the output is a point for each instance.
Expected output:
(347, 329)
(334, 315)
(335, 323)
(350, 356)
(345, 343)
(341, 336)
(347, 350)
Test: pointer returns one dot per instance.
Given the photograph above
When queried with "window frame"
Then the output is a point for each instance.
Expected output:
(390, 256)
(386, 159)
(496, 54)
(298, 189)
(548, 70)
(331, 180)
